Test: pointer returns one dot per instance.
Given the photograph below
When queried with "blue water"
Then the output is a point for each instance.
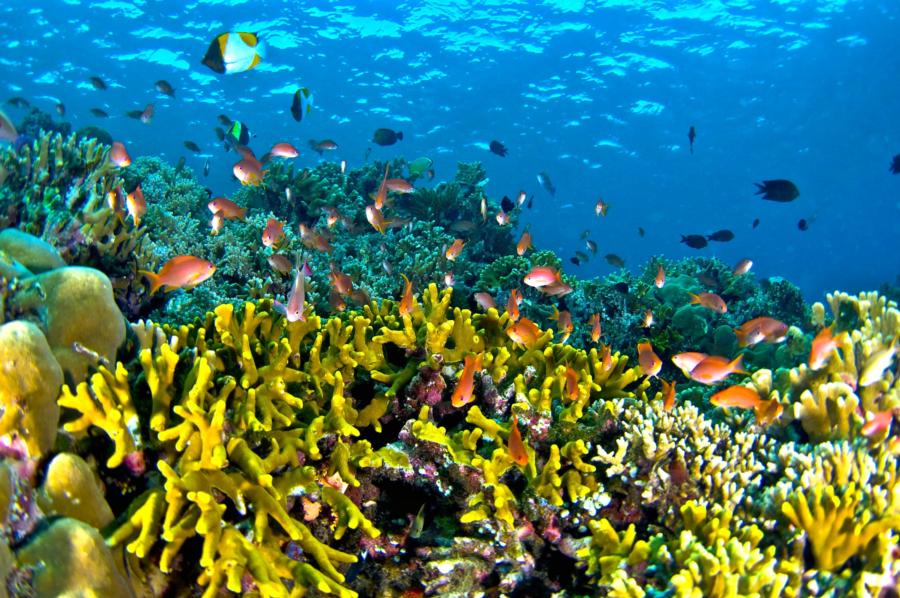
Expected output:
(598, 94)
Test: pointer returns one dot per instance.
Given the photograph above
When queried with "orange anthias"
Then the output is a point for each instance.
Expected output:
(524, 332)
(762, 329)
(541, 276)
(822, 347)
(742, 397)
(273, 233)
(407, 302)
(878, 425)
(564, 323)
(524, 243)
(714, 369)
(512, 305)
(571, 383)
(516, 445)
(709, 301)
(182, 271)
(660, 277)
(462, 394)
(650, 361)
(119, 155)
(136, 205)
(688, 361)
(381, 195)
(454, 250)
(229, 209)
(668, 389)
(595, 327)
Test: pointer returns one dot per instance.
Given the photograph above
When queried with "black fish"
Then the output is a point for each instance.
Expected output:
(722, 236)
(180, 165)
(387, 136)
(530, 201)
(803, 224)
(507, 204)
(18, 102)
(99, 113)
(220, 133)
(498, 148)
(206, 168)
(781, 190)
(755, 222)
(692, 134)
(613, 260)
(301, 105)
(575, 261)
(192, 146)
(622, 287)
(163, 86)
(98, 83)
(224, 120)
(694, 241)
(641, 231)
(136, 114)
(895, 165)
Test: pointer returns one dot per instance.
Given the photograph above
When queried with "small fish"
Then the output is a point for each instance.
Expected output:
(420, 166)
(484, 300)
(878, 362)
(506, 204)
(524, 332)
(454, 250)
(273, 233)
(591, 246)
(895, 165)
(516, 445)
(220, 134)
(512, 305)
(738, 396)
(301, 104)
(463, 393)
(541, 276)
(136, 205)
(722, 236)
(641, 232)
(601, 208)
(98, 83)
(574, 260)
(399, 186)
(878, 425)
(147, 114)
(206, 168)
(343, 166)
(649, 360)
(803, 224)
(668, 389)
(692, 134)
(742, 267)
(238, 134)
(545, 182)
(660, 277)
(596, 331)
(217, 222)
(60, 108)
(502, 218)
(714, 369)
(165, 88)
(284, 150)
(524, 243)
(449, 279)
(387, 266)
(614, 260)
(118, 155)
(99, 113)
(224, 120)
(755, 223)
(564, 325)
(709, 301)
(694, 241)
(386, 137)
(418, 524)
(762, 329)
(294, 310)
(326, 145)
(116, 200)
(341, 282)
(521, 198)
(192, 146)
(571, 378)
(647, 321)
(498, 148)
(376, 219)
(780, 190)
(483, 208)
(229, 209)
(182, 271)
(234, 52)
(280, 263)
(823, 345)
(18, 102)
(248, 172)
(688, 361)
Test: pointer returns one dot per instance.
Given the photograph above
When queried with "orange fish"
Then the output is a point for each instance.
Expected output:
(541, 276)
(668, 389)
(601, 208)
(136, 205)
(462, 394)
(280, 263)
(762, 329)
(376, 219)
(512, 305)
(454, 250)
(688, 361)
(216, 223)
(295, 308)
(342, 283)
(229, 209)
(381, 195)
(524, 332)
(332, 216)
(116, 201)
(709, 301)
(879, 424)
(524, 243)
(484, 300)
(335, 301)
(249, 172)
(714, 369)
(571, 384)
(650, 361)
(147, 115)
(647, 322)
(516, 444)
(563, 323)
(502, 218)
(273, 233)
(119, 155)
(741, 397)
(399, 186)
(742, 267)
(595, 327)
(556, 289)
(822, 347)
(182, 271)
(660, 277)
(284, 150)
(407, 302)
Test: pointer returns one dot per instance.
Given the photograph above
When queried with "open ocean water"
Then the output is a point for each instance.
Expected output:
(599, 95)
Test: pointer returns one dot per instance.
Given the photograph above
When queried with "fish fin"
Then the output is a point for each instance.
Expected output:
(695, 299)
(741, 337)
(153, 278)
(736, 366)
(400, 135)
(760, 188)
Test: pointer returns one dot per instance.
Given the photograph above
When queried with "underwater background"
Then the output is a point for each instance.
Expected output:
(449, 298)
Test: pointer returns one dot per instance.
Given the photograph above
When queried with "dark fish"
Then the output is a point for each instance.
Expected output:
(544, 179)
(613, 260)
(180, 166)
(498, 148)
(220, 133)
(723, 236)
(694, 241)
(99, 113)
(321, 146)
(18, 102)
(61, 109)
(224, 120)
(387, 136)
(621, 287)
(301, 105)
(575, 261)
(530, 201)
(135, 114)
(238, 134)
(206, 168)
(895, 165)
(592, 246)
(755, 222)
(781, 190)
(585, 234)
(641, 231)
(98, 83)
(692, 134)
(581, 256)
(163, 86)
(803, 224)
(507, 204)
(192, 146)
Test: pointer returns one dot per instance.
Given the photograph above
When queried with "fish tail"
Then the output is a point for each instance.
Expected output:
(400, 135)
(695, 299)
(155, 282)
(760, 188)
(736, 367)
(741, 337)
